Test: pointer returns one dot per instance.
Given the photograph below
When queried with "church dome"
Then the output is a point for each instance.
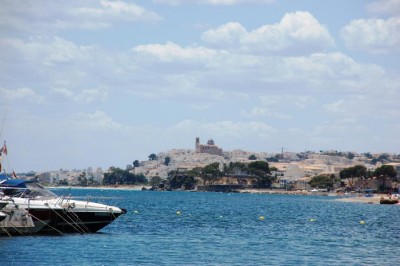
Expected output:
(210, 142)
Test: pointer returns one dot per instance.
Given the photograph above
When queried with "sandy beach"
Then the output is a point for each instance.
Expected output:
(369, 200)
(362, 199)
(355, 198)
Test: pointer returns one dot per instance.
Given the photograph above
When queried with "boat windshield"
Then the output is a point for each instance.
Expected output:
(35, 190)
(28, 190)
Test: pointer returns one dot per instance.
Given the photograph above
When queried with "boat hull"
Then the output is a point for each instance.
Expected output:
(66, 221)
(389, 201)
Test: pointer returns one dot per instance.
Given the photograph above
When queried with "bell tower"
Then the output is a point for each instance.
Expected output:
(197, 144)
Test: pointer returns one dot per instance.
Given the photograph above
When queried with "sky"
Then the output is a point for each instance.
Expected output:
(103, 83)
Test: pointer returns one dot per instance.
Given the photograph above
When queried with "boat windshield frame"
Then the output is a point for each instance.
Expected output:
(29, 190)
(36, 190)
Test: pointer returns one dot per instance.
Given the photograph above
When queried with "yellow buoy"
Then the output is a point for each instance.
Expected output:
(136, 212)
(362, 222)
(312, 220)
(261, 218)
(178, 213)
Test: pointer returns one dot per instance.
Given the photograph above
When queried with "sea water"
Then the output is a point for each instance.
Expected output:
(183, 228)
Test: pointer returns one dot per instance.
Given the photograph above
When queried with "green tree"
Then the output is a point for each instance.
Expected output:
(368, 155)
(252, 157)
(384, 172)
(136, 163)
(181, 179)
(92, 182)
(82, 181)
(259, 165)
(234, 168)
(195, 171)
(358, 171)
(384, 157)
(167, 160)
(260, 170)
(123, 177)
(63, 182)
(273, 159)
(273, 169)
(323, 181)
(152, 157)
(211, 173)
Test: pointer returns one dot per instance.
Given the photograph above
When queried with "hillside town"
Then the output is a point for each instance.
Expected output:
(292, 171)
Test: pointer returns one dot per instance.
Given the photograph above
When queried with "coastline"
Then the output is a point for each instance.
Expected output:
(392, 199)
(361, 199)
(133, 187)
(340, 198)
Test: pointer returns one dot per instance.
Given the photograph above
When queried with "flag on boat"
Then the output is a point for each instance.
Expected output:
(14, 175)
(4, 149)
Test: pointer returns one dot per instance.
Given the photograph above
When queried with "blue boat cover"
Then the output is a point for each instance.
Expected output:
(4, 176)
(13, 183)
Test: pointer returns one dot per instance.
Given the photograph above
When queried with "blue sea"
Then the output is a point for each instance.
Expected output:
(183, 228)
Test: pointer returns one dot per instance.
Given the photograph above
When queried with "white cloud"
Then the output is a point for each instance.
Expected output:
(336, 107)
(297, 32)
(228, 34)
(270, 107)
(206, 70)
(90, 95)
(200, 107)
(45, 16)
(227, 129)
(115, 10)
(384, 7)
(172, 52)
(97, 120)
(327, 71)
(214, 2)
(303, 101)
(265, 112)
(84, 96)
(374, 35)
(332, 134)
(20, 93)
(279, 106)
(64, 92)
(57, 67)
(44, 51)
(365, 106)
(170, 71)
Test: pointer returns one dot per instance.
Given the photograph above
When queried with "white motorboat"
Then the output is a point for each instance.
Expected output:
(56, 214)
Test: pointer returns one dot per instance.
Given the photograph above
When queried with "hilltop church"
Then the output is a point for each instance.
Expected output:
(209, 148)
